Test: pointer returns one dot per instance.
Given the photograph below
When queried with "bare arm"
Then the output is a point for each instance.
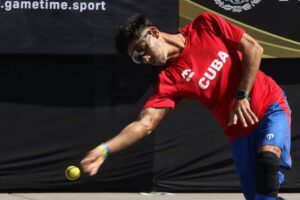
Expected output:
(252, 53)
(148, 120)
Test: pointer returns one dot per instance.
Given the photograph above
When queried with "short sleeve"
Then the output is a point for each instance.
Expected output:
(229, 32)
(166, 93)
(157, 101)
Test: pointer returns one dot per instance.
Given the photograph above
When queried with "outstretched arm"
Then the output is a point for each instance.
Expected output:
(148, 120)
(252, 53)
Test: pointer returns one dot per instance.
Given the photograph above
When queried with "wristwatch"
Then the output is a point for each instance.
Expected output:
(242, 95)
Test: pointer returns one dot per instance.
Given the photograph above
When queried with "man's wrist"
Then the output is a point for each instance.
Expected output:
(240, 94)
(104, 150)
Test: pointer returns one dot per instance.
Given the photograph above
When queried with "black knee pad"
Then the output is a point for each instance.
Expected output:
(267, 167)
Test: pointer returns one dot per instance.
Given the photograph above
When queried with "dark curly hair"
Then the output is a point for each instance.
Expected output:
(129, 31)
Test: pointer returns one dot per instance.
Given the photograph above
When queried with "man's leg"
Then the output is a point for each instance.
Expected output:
(267, 169)
(256, 155)
(273, 151)
(244, 156)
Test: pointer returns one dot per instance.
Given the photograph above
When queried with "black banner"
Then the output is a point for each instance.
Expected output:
(74, 27)
(54, 109)
(51, 116)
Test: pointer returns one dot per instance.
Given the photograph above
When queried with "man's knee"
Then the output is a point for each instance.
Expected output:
(266, 175)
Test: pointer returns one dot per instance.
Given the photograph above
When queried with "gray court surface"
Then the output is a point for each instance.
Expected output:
(131, 196)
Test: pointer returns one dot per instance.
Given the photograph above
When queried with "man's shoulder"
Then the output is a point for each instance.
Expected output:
(203, 20)
(167, 75)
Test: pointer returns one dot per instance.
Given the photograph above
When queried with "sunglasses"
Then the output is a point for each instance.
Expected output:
(140, 49)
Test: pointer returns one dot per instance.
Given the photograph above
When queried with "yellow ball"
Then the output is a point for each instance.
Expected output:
(72, 173)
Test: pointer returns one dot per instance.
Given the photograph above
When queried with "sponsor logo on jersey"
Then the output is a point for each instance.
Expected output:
(237, 6)
(270, 136)
(187, 74)
(212, 71)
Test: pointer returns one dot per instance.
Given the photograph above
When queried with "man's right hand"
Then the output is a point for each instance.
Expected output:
(92, 161)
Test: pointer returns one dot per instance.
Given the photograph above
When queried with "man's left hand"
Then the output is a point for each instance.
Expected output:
(242, 112)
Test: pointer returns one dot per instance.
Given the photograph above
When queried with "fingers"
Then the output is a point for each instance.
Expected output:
(241, 118)
(253, 116)
(88, 160)
(91, 163)
(250, 116)
(93, 167)
(91, 156)
(233, 119)
(242, 113)
(247, 116)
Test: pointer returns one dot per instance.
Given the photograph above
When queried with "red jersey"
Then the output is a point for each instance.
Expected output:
(209, 69)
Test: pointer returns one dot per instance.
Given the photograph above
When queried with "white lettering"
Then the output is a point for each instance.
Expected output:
(223, 56)
(91, 6)
(217, 65)
(103, 5)
(64, 6)
(35, 5)
(54, 5)
(75, 6)
(190, 76)
(211, 73)
(211, 76)
(8, 5)
(25, 5)
(202, 84)
(42, 4)
(16, 5)
(83, 6)
(187, 74)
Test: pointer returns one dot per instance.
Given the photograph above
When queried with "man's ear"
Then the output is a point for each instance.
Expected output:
(154, 31)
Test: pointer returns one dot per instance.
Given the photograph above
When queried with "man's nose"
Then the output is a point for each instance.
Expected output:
(146, 59)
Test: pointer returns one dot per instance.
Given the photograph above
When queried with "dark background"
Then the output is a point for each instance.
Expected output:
(64, 91)
(74, 32)
(55, 108)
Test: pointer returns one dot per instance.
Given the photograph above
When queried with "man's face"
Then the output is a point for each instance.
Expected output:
(147, 48)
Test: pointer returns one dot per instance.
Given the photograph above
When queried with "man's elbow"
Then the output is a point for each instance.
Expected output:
(148, 127)
(149, 131)
(254, 51)
(150, 118)
(259, 49)
(250, 46)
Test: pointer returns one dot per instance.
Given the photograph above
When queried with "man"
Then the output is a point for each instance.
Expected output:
(216, 63)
